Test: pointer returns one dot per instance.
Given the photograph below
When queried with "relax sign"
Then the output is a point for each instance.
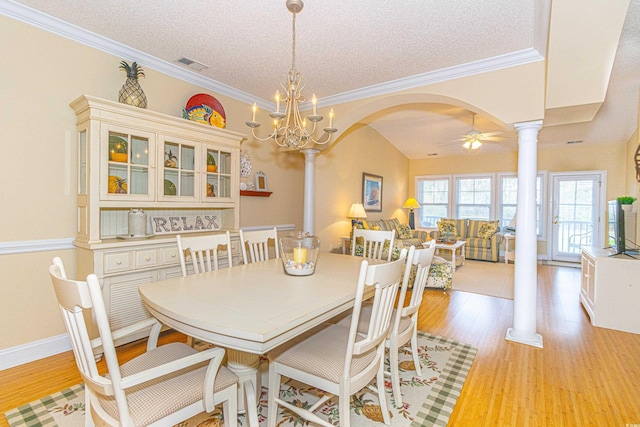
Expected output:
(184, 224)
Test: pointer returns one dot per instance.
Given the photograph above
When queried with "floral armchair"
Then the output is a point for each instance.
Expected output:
(441, 271)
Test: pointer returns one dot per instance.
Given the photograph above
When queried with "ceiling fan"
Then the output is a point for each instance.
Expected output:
(473, 139)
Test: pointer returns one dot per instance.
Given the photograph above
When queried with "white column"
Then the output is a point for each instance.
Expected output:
(309, 190)
(526, 276)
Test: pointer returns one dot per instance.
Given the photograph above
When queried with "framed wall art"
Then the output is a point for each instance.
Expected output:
(371, 192)
(261, 181)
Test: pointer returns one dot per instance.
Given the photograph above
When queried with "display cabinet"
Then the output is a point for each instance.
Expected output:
(130, 157)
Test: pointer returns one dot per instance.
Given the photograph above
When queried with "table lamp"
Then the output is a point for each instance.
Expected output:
(356, 212)
(411, 204)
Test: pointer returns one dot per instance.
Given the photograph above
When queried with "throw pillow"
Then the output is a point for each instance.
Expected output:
(404, 231)
(488, 229)
(446, 226)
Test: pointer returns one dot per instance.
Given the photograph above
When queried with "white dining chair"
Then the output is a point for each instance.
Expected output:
(338, 360)
(257, 242)
(404, 324)
(162, 387)
(371, 243)
(203, 251)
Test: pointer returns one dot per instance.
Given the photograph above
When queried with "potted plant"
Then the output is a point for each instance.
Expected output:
(626, 202)
(211, 163)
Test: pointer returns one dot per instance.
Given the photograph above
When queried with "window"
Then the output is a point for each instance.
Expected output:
(474, 197)
(508, 198)
(485, 197)
(433, 196)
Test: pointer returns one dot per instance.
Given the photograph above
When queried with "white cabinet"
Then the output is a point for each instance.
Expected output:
(130, 157)
(610, 289)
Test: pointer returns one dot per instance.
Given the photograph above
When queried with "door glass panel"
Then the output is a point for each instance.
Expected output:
(218, 174)
(128, 164)
(171, 172)
(179, 169)
(225, 163)
(575, 215)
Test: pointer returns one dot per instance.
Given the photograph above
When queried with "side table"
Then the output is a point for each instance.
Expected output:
(454, 249)
(509, 248)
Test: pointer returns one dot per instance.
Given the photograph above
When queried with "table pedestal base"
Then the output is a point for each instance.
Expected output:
(245, 366)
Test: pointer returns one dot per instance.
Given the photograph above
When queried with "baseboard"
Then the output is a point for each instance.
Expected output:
(33, 351)
(561, 263)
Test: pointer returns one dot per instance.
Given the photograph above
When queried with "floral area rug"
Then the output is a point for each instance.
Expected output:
(428, 400)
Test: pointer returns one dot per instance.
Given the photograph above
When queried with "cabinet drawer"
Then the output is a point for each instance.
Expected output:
(148, 258)
(120, 261)
(170, 256)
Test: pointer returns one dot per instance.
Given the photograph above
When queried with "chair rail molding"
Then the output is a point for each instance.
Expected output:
(25, 246)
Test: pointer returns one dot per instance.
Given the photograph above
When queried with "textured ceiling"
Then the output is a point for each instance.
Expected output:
(345, 46)
(341, 45)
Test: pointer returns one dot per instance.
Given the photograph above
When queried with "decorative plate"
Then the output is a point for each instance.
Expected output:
(205, 109)
(245, 164)
(169, 188)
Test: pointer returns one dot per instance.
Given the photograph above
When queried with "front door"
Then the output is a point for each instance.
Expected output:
(576, 212)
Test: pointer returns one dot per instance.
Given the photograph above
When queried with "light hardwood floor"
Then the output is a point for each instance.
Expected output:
(584, 376)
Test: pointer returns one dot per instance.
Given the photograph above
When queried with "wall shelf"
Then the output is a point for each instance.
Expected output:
(255, 193)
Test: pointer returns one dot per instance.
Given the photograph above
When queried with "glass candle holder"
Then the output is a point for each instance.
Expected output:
(299, 252)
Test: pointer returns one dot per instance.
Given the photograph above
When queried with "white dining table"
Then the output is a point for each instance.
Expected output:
(251, 309)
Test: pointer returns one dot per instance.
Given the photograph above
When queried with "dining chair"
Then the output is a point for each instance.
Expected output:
(404, 324)
(373, 243)
(336, 359)
(162, 387)
(202, 249)
(257, 241)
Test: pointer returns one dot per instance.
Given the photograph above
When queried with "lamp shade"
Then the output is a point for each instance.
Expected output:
(357, 211)
(512, 224)
(411, 203)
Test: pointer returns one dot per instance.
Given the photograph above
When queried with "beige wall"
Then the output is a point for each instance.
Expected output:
(339, 181)
(41, 74)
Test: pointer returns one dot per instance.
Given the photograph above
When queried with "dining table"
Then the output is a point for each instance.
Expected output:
(251, 309)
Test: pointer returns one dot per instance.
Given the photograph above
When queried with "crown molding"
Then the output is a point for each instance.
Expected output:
(73, 32)
(80, 35)
(513, 59)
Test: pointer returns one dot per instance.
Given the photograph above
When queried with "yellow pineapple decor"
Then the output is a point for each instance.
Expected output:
(131, 92)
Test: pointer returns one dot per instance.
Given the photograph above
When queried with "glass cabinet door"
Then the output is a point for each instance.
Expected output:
(219, 174)
(179, 170)
(128, 167)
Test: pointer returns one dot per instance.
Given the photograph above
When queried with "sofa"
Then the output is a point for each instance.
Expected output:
(404, 234)
(482, 238)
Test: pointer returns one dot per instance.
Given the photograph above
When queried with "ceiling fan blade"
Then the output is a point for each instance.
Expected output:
(493, 138)
(494, 133)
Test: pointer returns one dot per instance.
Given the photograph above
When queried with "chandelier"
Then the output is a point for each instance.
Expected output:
(289, 128)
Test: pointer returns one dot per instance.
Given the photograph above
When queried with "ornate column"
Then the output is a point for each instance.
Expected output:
(526, 276)
(309, 190)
